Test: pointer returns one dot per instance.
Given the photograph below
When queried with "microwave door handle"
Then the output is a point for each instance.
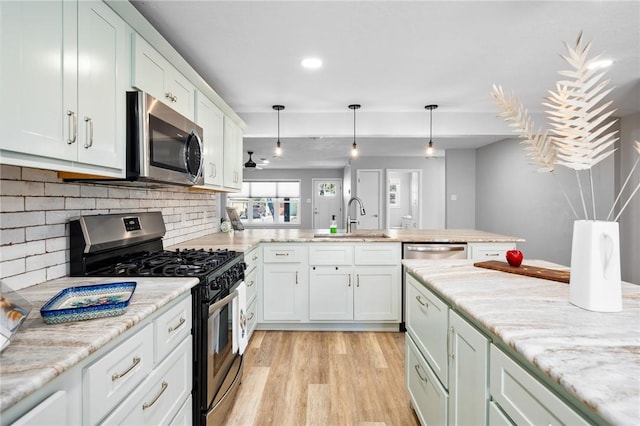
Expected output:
(220, 303)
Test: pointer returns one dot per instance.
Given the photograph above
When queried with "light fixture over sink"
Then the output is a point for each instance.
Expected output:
(278, 151)
(354, 147)
(430, 145)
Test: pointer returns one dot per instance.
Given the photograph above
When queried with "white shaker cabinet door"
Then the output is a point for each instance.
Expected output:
(102, 63)
(211, 119)
(377, 293)
(38, 70)
(331, 293)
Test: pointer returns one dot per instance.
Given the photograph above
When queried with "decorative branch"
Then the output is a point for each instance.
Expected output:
(538, 148)
(637, 148)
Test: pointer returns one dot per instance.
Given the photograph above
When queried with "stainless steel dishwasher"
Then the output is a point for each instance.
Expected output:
(428, 251)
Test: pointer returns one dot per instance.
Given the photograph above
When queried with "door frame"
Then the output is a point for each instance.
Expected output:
(386, 198)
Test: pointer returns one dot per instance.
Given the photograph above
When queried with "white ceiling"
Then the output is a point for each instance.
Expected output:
(393, 57)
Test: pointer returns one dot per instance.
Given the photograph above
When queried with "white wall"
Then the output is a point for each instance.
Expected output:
(461, 184)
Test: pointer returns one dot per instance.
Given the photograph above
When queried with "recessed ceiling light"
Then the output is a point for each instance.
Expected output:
(603, 63)
(311, 63)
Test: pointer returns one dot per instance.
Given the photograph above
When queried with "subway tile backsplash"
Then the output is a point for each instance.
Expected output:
(35, 207)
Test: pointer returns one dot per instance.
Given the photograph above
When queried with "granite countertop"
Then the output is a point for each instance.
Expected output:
(40, 352)
(245, 240)
(593, 356)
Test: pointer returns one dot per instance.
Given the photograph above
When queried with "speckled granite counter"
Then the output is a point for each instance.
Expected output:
(595, 357)
(40, 352)
(244, 240)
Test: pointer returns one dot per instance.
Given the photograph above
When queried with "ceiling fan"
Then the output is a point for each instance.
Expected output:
(250, 164)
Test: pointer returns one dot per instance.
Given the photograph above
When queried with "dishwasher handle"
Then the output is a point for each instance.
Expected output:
(434, 249)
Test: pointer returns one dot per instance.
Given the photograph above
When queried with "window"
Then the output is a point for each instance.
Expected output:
(267, 203)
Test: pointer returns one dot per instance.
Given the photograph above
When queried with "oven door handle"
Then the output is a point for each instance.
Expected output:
(220, 303)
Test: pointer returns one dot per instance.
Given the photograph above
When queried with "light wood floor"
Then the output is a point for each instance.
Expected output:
(296, 378)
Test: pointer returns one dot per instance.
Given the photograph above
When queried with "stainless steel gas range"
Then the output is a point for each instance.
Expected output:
(130, 245)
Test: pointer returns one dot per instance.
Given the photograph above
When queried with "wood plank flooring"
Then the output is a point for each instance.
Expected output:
(323, 378)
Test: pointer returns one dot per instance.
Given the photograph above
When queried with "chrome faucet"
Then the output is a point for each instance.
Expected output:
(362, 212)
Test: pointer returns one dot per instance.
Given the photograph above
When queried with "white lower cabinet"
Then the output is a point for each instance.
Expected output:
(428, 398)
(523, 398)
(285, 283)
(159, 398)
(51, 412)
(376, 293)
(185, 414)
(496, 416)
(331, 293)
(252, 279)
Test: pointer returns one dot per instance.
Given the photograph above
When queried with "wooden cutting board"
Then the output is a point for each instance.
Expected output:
(529, 271)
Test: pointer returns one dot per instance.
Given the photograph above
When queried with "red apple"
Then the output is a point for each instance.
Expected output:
(514, 257)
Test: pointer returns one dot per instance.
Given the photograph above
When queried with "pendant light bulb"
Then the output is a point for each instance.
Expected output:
(354, 147)
(278, 151)
(430, 146)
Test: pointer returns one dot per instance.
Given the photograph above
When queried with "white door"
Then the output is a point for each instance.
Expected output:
(327, 202)
(403, 198)
(369, 190)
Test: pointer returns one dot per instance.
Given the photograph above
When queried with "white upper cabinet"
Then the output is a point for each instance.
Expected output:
(211, 119)
(64, 77)
(232, 155)
(153, 74)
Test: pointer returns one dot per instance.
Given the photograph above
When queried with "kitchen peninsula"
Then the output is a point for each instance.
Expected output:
(533, 340)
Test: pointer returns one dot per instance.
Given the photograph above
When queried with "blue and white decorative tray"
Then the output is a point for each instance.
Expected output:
(88, 302)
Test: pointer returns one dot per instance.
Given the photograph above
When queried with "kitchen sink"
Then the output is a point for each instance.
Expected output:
(356, 234)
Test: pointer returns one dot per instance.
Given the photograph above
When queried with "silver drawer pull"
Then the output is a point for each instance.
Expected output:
(251, 283)
(136, 361)
(251, 315)
(180, 324)
(424, 379)
(146, 405)
(254, 258)
(282, 254)
(492, 254)
(419, 299)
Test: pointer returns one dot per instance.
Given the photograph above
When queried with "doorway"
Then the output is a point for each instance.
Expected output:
(327, 202)
(403, 203)
(369, 190)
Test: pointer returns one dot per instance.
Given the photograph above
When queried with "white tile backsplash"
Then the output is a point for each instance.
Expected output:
(35, 208)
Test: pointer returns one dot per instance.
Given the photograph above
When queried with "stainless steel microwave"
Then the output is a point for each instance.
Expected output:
(163, 146)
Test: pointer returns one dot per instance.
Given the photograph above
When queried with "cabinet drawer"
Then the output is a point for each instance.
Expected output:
(111, 378)
(330, 254)
(159, 398)
(171, 328)
(252, 258)
(251, 281)
(377, 254)
(284, 253)
(428, 397)
(523, 398)
(427, 320)
(495, 251)
(184, 416)
(497, 417)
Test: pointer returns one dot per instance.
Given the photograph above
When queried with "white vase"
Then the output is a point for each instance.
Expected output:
(595, 282)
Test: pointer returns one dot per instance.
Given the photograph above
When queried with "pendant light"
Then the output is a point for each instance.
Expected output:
(430, 146)
(278, 108)
(354, 147)
(250, 164)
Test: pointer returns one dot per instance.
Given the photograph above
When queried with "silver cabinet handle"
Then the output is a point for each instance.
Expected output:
(215, 170)
(419, 299)
(89, 142)
(492, 254)
(73, 124)
(282, 254)
(296, 277)
(135, 361)
(251, 283)
(146, 405)
(171, 97)
(433, 248)
(251, 315)
(180, 324)
(357, 280)
(349, 280)
(450, 338)
(424, 379)
(254, 258)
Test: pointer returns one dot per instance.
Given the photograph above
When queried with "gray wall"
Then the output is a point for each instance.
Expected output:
(461, 184)
(306, 186)
(630, 219)
(513, 199)
(433, 183)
